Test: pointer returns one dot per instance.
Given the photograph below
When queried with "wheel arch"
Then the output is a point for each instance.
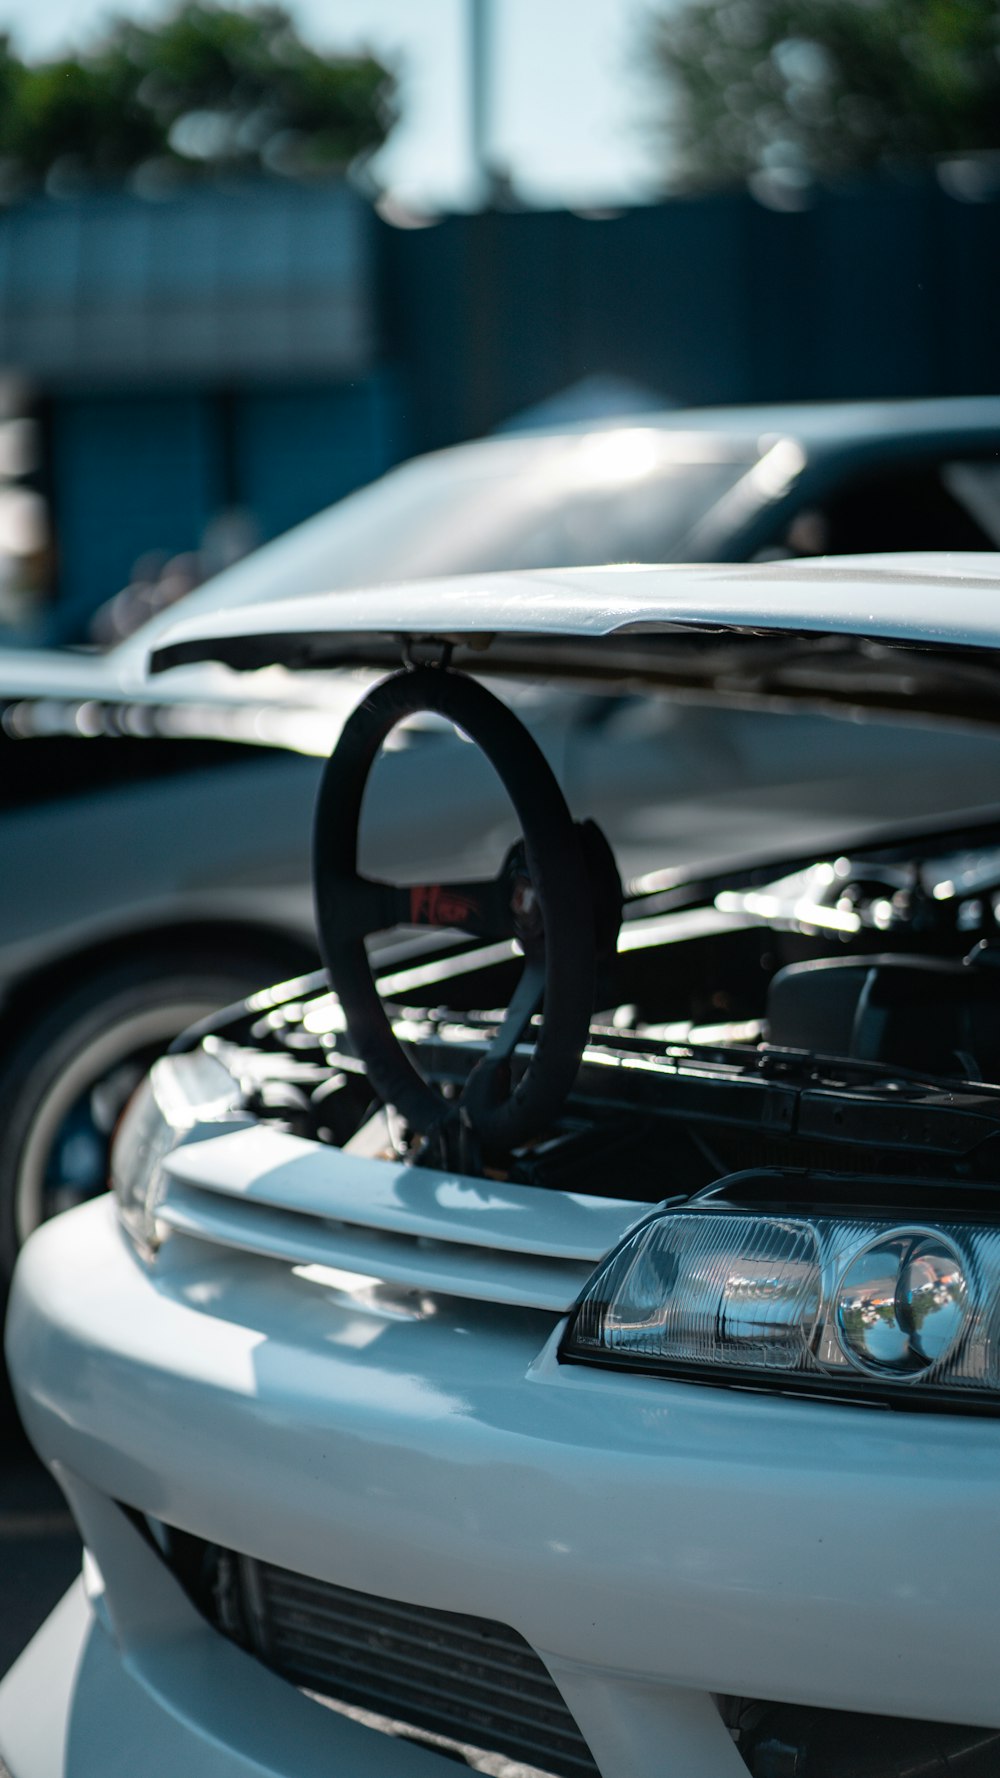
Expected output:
(32, 995)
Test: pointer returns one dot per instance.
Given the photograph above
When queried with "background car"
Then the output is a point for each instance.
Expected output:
(709, 484)
(155, 839)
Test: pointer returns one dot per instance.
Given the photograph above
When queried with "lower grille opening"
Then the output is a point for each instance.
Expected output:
(465, 1686)
(796, 1741)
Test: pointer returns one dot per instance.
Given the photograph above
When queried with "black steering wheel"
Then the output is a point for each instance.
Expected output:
(544, 896)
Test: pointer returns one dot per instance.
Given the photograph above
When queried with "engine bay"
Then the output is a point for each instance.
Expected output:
(840, 1019)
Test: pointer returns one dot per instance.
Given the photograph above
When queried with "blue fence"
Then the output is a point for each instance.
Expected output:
(151, 470)
(884, 288)
(272, 347)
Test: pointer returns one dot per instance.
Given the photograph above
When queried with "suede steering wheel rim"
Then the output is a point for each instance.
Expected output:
(542, 896)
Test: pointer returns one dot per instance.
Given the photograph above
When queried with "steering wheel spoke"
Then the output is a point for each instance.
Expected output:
(525, 1002)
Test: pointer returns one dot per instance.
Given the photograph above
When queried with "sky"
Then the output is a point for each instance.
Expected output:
(566, 96)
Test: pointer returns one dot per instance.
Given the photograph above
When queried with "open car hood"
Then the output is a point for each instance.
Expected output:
(919, 633)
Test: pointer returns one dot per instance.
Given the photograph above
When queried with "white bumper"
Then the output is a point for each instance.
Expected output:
(654, 1542)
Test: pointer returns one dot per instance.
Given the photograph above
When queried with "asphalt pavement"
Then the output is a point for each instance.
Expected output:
(39, 1546)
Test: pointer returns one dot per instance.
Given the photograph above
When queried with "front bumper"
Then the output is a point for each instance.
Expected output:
(655, 1542)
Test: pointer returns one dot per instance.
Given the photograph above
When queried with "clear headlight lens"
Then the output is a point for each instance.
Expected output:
(902, 1303)
(182, 1097)
(728, 1294)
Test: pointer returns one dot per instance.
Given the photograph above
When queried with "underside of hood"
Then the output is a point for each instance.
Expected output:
(917, 634)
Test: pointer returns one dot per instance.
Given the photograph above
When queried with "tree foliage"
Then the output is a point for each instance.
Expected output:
(806, 88)
(208, 86)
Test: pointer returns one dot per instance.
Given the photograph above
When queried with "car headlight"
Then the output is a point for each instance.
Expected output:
(182, 1098)
(820, 1301)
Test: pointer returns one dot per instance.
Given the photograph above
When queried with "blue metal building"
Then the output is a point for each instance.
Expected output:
(211, 352)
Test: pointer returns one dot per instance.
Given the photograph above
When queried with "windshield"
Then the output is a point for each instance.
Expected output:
(626, 494)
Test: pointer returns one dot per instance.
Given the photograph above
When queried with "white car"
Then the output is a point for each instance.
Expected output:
(154, 836)
(608, 1384)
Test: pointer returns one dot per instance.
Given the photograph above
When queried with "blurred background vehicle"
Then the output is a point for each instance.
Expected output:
(153, 841)
(715, 485)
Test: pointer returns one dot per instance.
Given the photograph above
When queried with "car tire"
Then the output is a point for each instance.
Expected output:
(98, 1040)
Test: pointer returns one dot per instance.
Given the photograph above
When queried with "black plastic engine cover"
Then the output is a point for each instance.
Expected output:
(927, 1013)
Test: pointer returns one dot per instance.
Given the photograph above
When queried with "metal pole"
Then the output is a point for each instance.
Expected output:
(479, 87)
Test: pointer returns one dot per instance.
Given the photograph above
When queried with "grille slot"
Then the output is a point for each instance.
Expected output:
(303, 1203)
(471, 1681)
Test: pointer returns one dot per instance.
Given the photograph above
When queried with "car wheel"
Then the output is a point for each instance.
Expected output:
(65, 1084)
